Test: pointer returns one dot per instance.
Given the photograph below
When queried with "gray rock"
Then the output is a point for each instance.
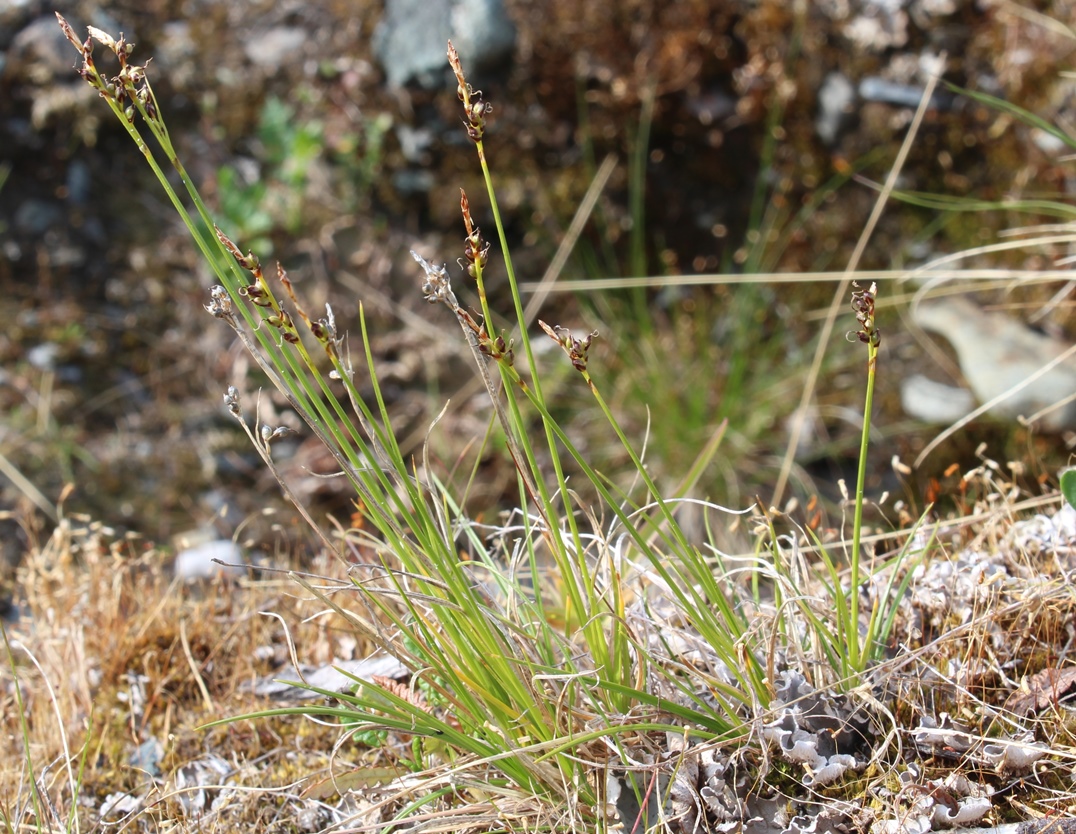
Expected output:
(329, 677)
(873, 88)
(34, 217)
(270, 49)
(177, 52)
(882, 25)
(934, 402)
(411, 39)
(201, 562)
(835, 99)
(40, 53)
(147, 757)
(414, 143)
(1000, 356)
(411, 182)
(79, 183)
(13, 15)
(43, 356)
(934, 8)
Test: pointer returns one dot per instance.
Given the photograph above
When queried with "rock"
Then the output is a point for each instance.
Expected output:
(415, 143)
(13, 16)
(1049, 143)
(882, 25)
(411, 39)
(998, 354)
(329, 677)
(934, 402)
(119, 805)
(200, 562)
(43, 356)
(147, 757)
(79, 181)
(934, 8)
(34, 217)
(873, 88)
(40, 53)
(177, 53)
(835, 99)
(412, 182)
(270, 49)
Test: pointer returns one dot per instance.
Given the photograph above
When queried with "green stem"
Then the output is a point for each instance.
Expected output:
(856, 653)
(517, 299)
(535, 381)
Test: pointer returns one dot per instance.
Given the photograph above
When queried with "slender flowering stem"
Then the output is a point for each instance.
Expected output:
(476, 109)
(863, 305)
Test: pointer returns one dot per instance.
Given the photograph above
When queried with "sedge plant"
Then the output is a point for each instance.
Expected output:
(541, 648)
(506, 684)
(849, 643)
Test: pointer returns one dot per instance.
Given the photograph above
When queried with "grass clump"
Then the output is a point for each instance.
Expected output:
(587, 660)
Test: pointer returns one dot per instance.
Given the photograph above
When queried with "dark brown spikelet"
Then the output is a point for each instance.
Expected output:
(475, 109)
(863, 307)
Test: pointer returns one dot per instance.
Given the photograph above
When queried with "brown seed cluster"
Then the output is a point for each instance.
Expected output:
(126, 91)
(437, 288)
(863, 306)
(259, 294)
(576, 348)
(476, 247)
(475, 109)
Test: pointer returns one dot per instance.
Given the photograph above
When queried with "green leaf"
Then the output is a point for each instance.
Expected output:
(1068, 486)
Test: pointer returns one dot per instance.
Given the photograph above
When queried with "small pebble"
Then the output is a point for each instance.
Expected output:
(198, 562)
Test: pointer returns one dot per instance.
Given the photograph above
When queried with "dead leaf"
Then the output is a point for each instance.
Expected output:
(1042, 690)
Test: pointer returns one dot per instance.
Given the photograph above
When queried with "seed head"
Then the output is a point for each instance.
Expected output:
(496, 348)
(269, 434)
(576, 348)
(476, 248)
(231, 399)
(248, 262)
(220, 304)
(475, 109)
(257, 295)
(863, 307)
(437, 286)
